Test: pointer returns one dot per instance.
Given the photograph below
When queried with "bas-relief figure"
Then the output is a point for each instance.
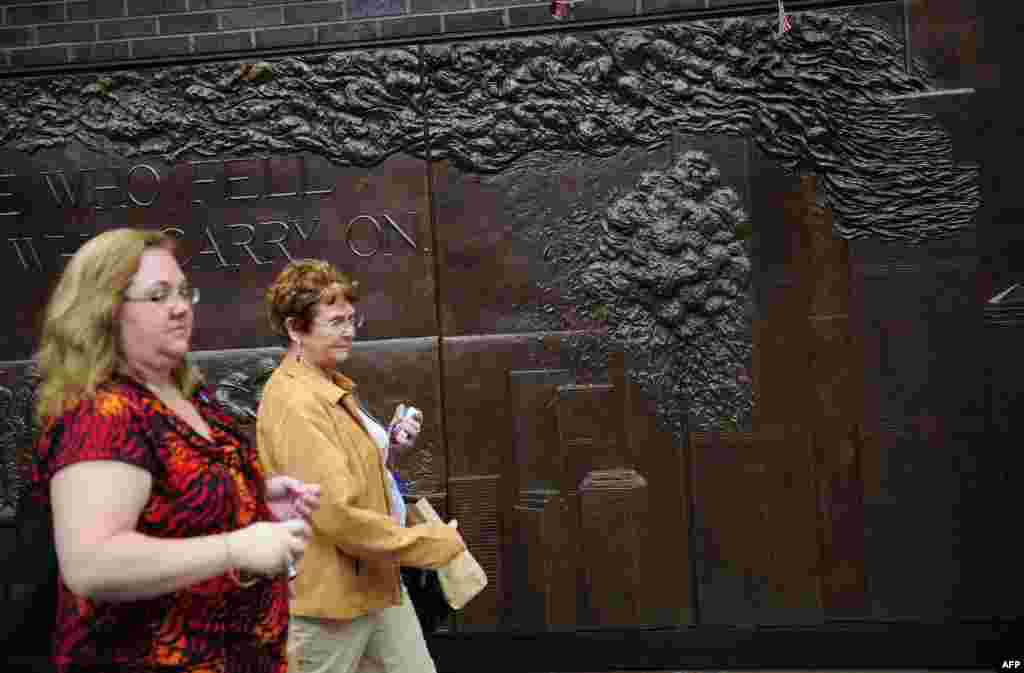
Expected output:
(659, 268)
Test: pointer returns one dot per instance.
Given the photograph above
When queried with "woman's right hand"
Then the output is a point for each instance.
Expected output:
(266, 548)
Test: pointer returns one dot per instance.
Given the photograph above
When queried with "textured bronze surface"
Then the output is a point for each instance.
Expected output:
(811, 382)
(538, 458)
(479, 421)
(591, 432)
(758, 553)
(663, 463)
(594, 92)
(615, 546)
(543, 421)
(650, 245)
(18, 429)
(544, 577)
(814, 98)
(537, 504)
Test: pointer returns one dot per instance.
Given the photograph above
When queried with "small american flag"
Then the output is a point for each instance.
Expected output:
(785, 23)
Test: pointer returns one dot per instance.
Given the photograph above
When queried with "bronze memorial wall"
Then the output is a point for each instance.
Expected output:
(614, 267)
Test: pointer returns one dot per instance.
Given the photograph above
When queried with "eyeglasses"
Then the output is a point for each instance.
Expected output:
(164, 294)
(341, 324)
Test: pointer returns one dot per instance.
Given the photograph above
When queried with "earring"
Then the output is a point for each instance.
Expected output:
(298, 356)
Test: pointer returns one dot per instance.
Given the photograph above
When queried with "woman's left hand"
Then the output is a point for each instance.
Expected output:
(290, 498)
(405, 428)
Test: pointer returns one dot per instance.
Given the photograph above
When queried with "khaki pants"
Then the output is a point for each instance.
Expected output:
(385, 641)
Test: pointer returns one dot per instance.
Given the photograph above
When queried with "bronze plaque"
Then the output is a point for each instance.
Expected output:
(240, 220)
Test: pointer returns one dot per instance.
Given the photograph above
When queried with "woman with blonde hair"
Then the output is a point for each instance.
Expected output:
(172, 545)
(350, 607)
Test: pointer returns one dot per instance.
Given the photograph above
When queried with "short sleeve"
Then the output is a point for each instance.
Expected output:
(107, 427)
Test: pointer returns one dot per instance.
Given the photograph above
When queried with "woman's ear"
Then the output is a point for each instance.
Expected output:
(293, 333)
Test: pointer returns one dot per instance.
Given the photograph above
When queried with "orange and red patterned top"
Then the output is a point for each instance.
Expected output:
(200, 487)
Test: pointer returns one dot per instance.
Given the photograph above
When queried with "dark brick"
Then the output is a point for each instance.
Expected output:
(313, 13)
(111, 51)
(285, 37)
(530, 16)
(20, 16)
(412, 26)
(39, 56)
(141, 7)
(68, 32)
(165, 46)
(108, 51)
(487, 4)
(201, 5)
(187, 23)
(95, 9)
(15, 37)
(603, 9)
(224, 42)
(654, 6)
(363, 9)
(113, 30)
(427, 6)
(251, 18)
(356, 31)
(467, 21)
(733, 3)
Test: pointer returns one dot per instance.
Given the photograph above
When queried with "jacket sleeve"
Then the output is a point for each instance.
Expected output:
(302, 443)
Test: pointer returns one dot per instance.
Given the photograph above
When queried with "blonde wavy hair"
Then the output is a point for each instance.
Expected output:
(79, 348)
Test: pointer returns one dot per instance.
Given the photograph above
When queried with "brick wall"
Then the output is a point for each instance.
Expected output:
(47, 33)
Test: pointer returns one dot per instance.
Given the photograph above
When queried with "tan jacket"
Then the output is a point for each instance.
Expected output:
(308, 428)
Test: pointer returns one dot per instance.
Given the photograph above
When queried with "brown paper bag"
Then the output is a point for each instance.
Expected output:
(463, 577)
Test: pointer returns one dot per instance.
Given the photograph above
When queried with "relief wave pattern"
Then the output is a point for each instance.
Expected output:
(817, 99)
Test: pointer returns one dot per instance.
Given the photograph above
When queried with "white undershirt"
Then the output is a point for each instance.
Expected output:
(380, 438)
(378, 433)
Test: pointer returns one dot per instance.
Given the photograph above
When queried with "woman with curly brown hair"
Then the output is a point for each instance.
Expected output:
(171, 548)
(349, 602)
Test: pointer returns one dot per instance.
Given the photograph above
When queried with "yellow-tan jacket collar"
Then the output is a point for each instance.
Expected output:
(332, 390)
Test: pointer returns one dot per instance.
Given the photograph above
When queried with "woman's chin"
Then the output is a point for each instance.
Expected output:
(177, 349)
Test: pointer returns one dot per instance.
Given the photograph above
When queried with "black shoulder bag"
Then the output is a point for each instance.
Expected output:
(427, 597)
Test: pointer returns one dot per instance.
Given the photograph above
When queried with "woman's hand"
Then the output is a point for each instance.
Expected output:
(405, 427)
(266, 548)
(290, 498)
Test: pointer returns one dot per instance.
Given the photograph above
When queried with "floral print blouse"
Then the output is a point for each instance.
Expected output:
(200, 487)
